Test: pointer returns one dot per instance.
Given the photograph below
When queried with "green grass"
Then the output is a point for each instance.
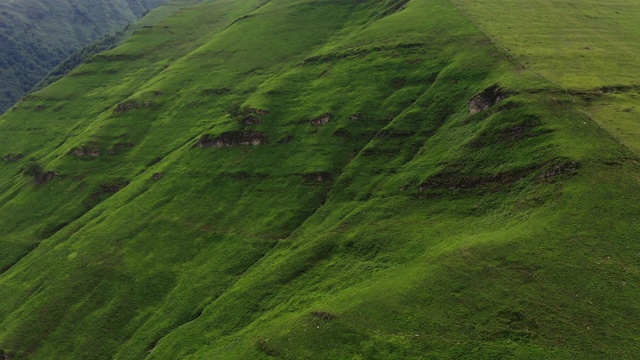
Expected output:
(586, 48)
(402, 228)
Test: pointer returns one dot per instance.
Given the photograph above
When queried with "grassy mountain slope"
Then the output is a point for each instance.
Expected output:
(37, 35)
(304, 179)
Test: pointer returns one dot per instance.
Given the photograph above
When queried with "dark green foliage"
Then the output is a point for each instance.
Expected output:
(38, 35)
(33, 169)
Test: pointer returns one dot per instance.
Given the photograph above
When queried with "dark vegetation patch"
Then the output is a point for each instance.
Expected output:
(37, 172)
(113, 57)
(486, 99)
(113, 186)
(321, 176)
(5, 355)
(593, 94)
(12, 157)
(263, 346)
(390, 134)
(47, 233)
(232, 139)
(243, 175)
(398, 83)
(247, 115)
(323, 315)
(459, 181)
(358, 52)
(393, 6)
(511, 131)
(514, 326)
(285, 139)
(114, 150)
(500, 181)
(219, 91)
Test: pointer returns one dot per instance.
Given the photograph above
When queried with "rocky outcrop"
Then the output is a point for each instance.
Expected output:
(82, 151)
(232, 139)
(130, 105)
(321, 120)
(486, 99)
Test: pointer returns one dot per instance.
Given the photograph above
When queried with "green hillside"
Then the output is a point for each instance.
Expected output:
(313, 179)
(36, 35)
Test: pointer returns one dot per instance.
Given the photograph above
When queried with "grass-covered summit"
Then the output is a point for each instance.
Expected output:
(302, 179)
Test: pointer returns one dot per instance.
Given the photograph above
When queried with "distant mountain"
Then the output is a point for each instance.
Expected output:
(36, 35)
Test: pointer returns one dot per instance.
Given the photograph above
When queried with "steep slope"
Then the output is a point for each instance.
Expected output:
(36, 35)
(314, 179)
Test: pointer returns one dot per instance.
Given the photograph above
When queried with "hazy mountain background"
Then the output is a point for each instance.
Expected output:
(36, 35)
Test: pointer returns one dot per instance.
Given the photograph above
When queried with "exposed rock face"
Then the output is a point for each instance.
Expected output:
(321, 120)
(232, 139)
(84, 151)
(486, 99)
